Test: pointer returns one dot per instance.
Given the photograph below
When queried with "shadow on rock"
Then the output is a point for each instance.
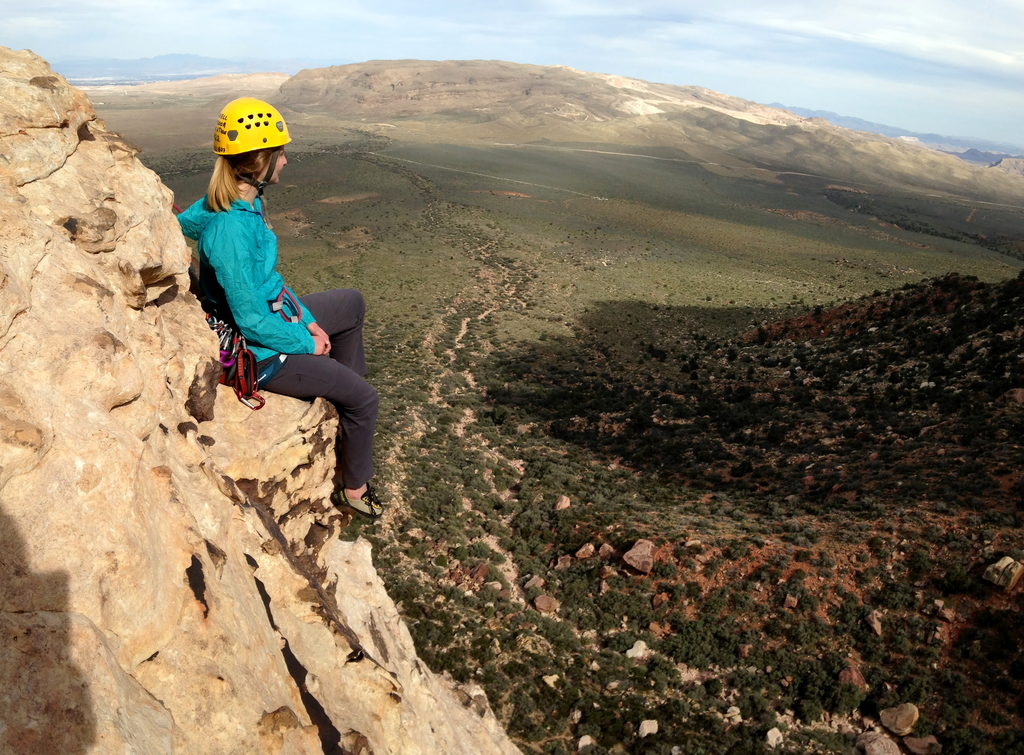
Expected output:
(44, 697)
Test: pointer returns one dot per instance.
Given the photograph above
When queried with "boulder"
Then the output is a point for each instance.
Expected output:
(773, 740)
(899, 720)
(562, 503)
(641, 556)
(534, 582)
(874, 620)
(876, 743)
(647, 728)
(1005, 573)
(852, 675)
(639, 651)
(546, 604)
(586, 551)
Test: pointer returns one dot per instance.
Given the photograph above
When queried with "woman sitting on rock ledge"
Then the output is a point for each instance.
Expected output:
(306, 347)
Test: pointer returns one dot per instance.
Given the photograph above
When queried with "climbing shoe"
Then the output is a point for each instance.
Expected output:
(368, 503)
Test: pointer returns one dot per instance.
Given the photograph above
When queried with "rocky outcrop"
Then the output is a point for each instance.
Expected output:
(173, 579)
(1012, 165)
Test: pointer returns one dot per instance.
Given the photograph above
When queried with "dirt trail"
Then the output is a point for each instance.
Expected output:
(450, 346)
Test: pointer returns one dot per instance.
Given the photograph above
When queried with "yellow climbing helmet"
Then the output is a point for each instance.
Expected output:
(248, 124)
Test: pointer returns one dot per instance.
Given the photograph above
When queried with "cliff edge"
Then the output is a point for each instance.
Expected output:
(172, 576)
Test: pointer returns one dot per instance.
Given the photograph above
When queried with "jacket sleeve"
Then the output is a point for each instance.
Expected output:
(230, 255)
(192, 219)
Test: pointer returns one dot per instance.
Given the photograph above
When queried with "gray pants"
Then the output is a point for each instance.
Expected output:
(338, 377)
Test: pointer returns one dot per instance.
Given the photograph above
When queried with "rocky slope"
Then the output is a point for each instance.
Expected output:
(173, 580)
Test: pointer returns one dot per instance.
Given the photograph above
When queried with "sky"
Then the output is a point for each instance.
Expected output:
(940, 66)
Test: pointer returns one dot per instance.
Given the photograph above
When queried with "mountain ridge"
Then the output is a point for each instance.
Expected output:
(512, 102)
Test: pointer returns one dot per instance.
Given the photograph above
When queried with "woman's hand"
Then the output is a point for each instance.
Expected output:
(323, 343)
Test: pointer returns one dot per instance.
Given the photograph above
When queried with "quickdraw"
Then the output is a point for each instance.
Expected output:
(238, 364)
(278, 306)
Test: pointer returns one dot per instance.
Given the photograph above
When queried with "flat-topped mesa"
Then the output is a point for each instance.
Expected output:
(173, 577)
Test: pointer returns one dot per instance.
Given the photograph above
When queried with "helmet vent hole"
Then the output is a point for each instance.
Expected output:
(241, 120)
(248, 126)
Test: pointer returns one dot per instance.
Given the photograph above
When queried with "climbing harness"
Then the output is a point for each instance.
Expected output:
(239, 369)
(239, 366)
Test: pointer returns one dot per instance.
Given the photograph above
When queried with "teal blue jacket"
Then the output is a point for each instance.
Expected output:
(238, 268)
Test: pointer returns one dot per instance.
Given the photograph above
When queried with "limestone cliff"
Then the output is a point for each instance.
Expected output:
(172, 577)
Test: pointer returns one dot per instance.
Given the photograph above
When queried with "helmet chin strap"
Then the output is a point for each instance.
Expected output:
(267, 177)
(261, 184)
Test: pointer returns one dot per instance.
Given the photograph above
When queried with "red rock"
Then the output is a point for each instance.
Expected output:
(562, 503)
(479, 572)
(851, 675)
(659, 630)
(606, 551)
(563, 562)
(587, 551)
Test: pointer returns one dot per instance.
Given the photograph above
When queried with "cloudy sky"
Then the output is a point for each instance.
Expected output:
(943, 66)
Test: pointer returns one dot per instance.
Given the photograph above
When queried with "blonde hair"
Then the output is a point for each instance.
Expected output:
(229, 170)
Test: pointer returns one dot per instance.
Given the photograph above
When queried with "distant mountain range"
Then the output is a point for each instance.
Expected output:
(166, 68)
(966, 148)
